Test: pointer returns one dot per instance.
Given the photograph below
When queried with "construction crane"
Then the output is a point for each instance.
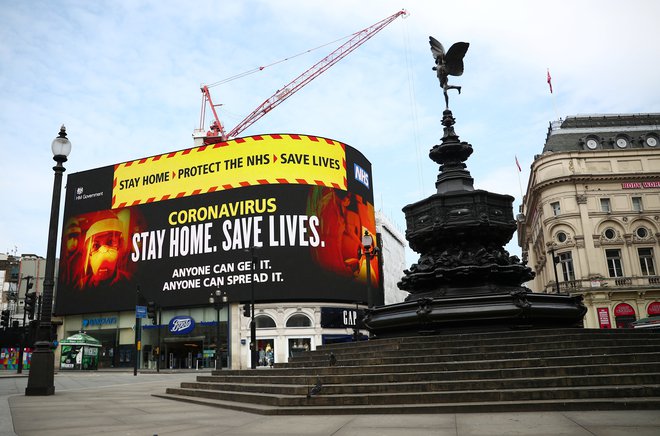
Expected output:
(217, 131)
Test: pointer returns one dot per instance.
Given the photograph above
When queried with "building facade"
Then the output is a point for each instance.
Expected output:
(19, 275)
(590, 219)
(393, 259)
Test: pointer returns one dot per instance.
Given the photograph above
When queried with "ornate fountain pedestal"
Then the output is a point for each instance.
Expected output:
(465, 280)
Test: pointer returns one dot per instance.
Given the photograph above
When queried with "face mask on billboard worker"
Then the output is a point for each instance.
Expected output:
(104, 246)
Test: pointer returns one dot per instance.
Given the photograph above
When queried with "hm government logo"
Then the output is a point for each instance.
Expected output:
(80, 195)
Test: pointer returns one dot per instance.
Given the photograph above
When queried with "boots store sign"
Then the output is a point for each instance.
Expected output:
(181, 325)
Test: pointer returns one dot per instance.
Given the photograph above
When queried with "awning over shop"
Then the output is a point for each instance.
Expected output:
(652, 322)
(81, 339)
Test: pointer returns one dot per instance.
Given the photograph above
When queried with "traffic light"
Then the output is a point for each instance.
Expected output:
(30, 304)
(4, 320)
(151, 312)
(246, 310)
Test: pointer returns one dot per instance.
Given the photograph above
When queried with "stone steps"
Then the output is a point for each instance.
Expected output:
(353, 377)
(570, 369)
(387, 398)
(382, 365)
(455, 407)
(392, 387)
(424, 356)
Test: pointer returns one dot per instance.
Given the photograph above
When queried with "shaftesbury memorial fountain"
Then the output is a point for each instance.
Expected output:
(464, 279)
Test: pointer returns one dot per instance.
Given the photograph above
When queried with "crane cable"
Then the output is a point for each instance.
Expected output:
(413, 109)
(257, 69)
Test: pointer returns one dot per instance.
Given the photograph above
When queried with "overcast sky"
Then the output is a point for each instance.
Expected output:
(124, 77)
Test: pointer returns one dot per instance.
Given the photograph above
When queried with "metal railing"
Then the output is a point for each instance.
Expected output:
(612, 283)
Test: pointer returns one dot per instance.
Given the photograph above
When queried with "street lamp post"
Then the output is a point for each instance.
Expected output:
(42, 370)
(555, 261)
(370, 250)
(254, 355)
(218, 298)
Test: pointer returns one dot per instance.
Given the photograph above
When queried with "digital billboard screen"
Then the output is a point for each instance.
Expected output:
(279, 217)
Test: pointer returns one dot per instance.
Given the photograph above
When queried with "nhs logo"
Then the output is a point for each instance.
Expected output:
(361, 175)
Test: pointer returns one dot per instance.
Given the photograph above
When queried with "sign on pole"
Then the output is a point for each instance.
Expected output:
(140, 311)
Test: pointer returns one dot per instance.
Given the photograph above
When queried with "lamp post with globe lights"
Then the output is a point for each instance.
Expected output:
(555, 261)
(218, 299)
(42, 369)
(370, 251)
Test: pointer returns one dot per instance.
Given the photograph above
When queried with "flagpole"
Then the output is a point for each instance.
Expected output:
(554, 106)
(519, 183)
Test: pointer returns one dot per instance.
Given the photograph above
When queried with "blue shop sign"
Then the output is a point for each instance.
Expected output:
(99, 321)
(181, 325)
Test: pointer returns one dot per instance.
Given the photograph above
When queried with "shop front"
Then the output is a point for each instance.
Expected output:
(107, 329)
(186, 341)
(624, 315)
(187, 338)
(336, 320)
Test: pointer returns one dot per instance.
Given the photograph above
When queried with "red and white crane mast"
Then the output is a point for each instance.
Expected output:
(217, 132)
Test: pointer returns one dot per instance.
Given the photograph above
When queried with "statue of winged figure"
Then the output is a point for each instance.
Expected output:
(448, 63)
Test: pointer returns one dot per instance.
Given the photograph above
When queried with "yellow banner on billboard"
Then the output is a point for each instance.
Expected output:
(249, 161)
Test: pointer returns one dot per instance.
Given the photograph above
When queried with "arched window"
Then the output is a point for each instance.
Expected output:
(624, 314)
(299, 320)
(654, 309)
(264, 322)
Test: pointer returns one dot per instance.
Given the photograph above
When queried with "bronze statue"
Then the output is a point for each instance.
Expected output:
(449, 63)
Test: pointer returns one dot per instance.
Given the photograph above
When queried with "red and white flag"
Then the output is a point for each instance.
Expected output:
(518, 164)
(549, 81)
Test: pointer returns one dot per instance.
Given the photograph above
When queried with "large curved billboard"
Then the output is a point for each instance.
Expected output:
(279, 217)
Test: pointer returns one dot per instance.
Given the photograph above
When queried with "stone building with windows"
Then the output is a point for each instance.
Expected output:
(589, 223)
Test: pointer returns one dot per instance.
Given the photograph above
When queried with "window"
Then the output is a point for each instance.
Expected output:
(621, 142)
(556, 210)
(566, 262)
(299, 345)
(264, 322)
(610, 234)
(642, 232)
(637, 204)
(592, 143)
(298, 320)
(561, 237)
(614, 266)
(605, 205)
(646, 261)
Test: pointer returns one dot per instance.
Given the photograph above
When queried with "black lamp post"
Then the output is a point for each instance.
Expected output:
(370, 250)
(254, 355)
(42, 370)
(218, 298)
(555, 261)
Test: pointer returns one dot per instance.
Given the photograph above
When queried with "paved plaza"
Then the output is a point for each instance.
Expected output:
(118, 403)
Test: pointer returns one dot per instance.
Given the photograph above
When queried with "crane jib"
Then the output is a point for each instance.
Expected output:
(356, 40)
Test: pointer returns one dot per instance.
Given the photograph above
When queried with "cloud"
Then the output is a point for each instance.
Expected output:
(124, 77)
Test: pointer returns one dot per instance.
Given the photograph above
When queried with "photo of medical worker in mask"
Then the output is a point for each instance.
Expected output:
(105, 253)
